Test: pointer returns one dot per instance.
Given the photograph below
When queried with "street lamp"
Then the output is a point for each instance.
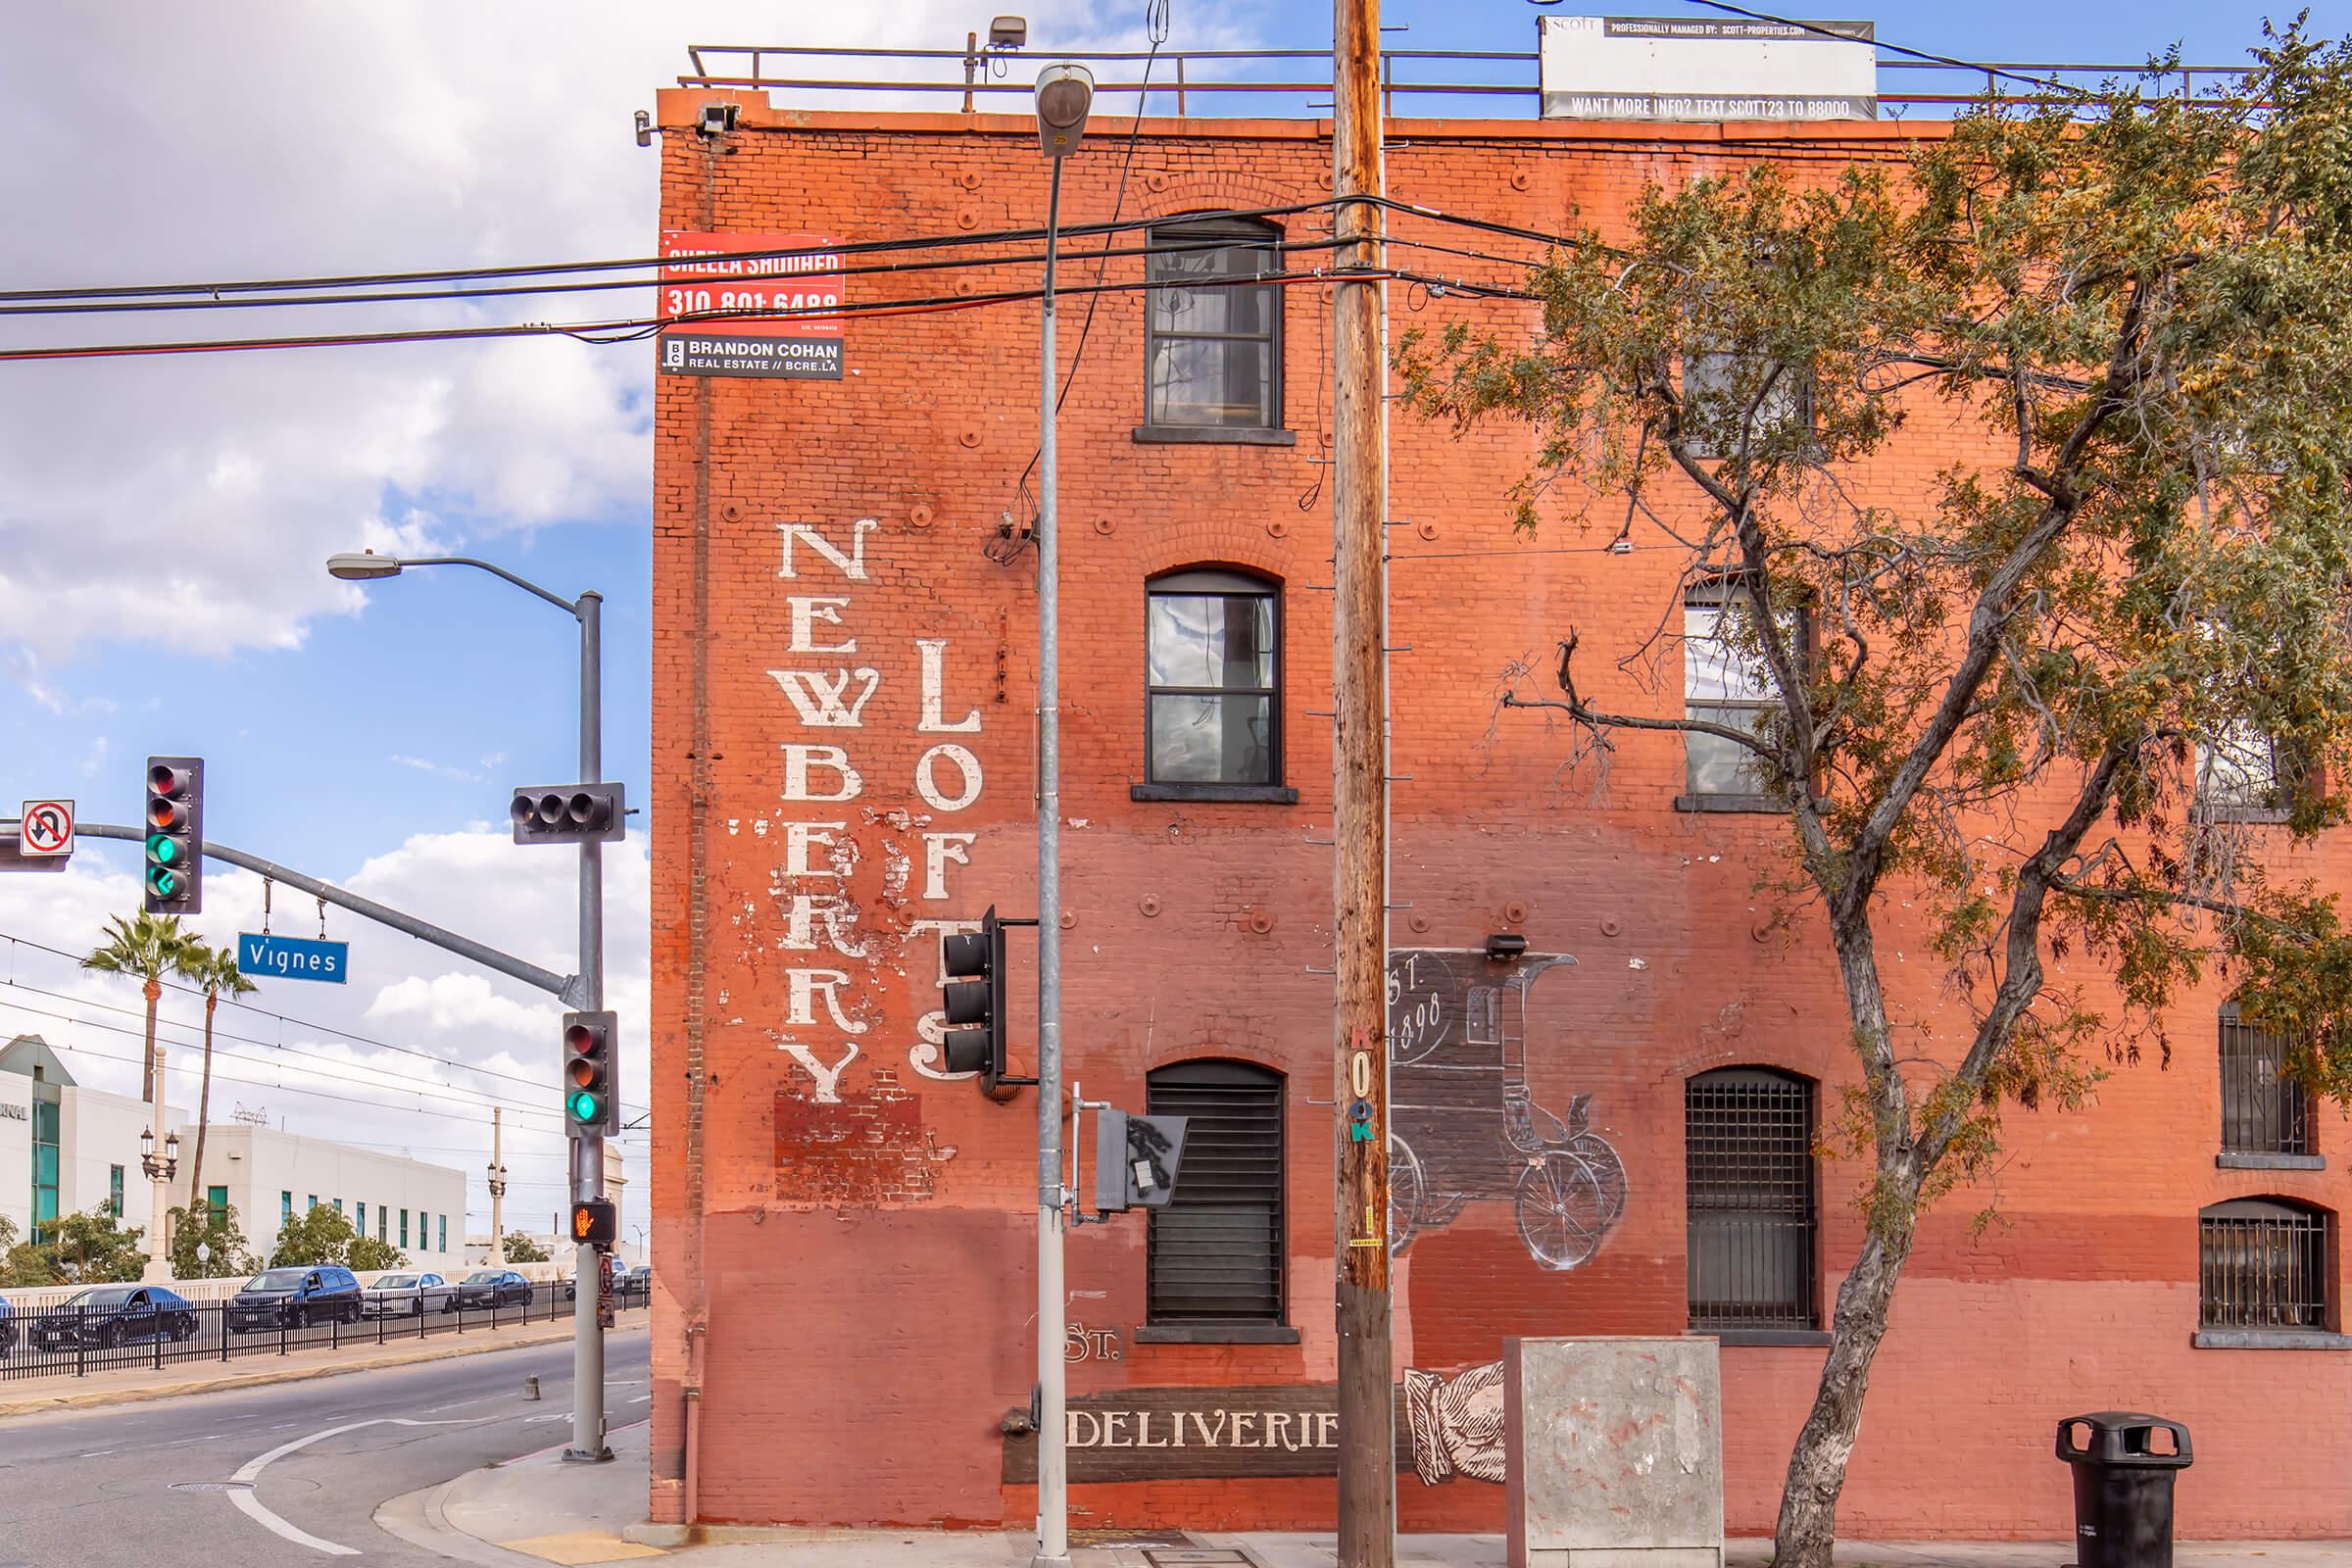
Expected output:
(1065, 92)
(587, 1148)
(164, 1169)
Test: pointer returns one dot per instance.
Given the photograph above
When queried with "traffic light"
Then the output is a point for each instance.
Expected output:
(174, 876)
(594, 1220)
(568, 814)
(973, 999)
(591, 1094)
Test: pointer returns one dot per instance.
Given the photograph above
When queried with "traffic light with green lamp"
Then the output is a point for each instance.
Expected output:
(591, 1091)
(174, 881)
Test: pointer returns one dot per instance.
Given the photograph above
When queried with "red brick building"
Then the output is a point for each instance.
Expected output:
(844, 653)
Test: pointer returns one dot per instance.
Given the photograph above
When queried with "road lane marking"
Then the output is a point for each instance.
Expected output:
(95, 1454)
(249, 1503)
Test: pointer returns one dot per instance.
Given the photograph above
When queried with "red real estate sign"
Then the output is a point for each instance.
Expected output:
(776, 313)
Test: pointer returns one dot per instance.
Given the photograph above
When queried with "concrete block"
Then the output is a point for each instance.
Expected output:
(1614, 1452)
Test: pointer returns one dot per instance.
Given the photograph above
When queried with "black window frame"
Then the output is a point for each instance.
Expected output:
(1717, 593)
(1179, 233)
(2266, 1264)
(1252, 1309)
(1203, 582)
(2268, 1118)
(1790, 1206)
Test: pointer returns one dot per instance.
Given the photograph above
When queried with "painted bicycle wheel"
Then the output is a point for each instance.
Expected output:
(1562, 1211)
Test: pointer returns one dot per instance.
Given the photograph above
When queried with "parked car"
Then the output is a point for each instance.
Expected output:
(407, 1295)
(107, 1315)
(494, 1286)
(8, 1327)
(638, 1280)
(295, 1299)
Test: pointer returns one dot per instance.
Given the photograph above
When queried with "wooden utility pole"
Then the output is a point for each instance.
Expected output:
(1367, 1523)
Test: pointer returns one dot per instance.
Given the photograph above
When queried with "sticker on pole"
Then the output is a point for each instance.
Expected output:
(48, 829)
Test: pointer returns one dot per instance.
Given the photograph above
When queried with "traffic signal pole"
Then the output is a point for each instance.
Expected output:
(1367, 1457)
(588, 1145)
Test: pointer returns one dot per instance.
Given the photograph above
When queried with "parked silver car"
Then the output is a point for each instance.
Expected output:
(409, 1295)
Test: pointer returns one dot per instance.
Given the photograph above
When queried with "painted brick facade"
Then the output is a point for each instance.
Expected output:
(845, 1238)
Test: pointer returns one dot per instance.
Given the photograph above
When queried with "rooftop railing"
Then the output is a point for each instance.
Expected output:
(1283, 83)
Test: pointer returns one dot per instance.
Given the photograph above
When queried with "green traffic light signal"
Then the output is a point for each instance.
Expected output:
(586, 1107)
(162, 882)
(161, 848)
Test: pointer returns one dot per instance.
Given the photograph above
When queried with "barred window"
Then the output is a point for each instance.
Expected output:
(1212, 346)
(1748, 1148)
(2263, 1110)
(2261, 1263)
(1214, 1254)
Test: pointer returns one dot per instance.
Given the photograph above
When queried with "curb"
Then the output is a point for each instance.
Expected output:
(452, 1349)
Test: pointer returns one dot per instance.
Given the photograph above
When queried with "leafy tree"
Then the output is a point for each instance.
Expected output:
(214, 971)
(228, 1253)
(367, 1253)
(521, 1249)
(150, 947)
(94, 1248)
(317, 1235)
(2013, 709)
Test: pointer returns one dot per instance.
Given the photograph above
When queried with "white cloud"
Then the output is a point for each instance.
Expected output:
(455, 1002)
(278, 138)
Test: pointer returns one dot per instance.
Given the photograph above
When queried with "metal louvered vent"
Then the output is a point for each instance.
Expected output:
(1747, 1143)
(1215, 1251)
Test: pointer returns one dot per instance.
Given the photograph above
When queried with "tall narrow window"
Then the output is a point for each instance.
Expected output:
(338, 1205)
(403, 1228)
(2261, 1263)
(383, 1223)
(285, 1209)
(2237, 768)
(215, 1199)
(114, 1191)
(1727, 683)
(46, 1119)
(1212, 346)
(1213, 656)
(441, 1233)
(2263, 1110)
(1747, 1151)
(360, 1226)
(1214, 1254)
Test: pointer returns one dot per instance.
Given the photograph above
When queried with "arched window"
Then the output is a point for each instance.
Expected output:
(1216, 1252)
(1212, 347)
(1747, 1151)
(2261, 1263)
(1213, 679)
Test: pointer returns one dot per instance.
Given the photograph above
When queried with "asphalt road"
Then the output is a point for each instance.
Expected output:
(107, 1488)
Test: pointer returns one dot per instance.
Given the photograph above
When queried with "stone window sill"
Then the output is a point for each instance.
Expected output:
(1753, 804)
(2241, 1160)
(1217, 794)
(1730, 1338)
(2271, 1340)
(1217, 1334)
(1212, 435)
(2239, 814)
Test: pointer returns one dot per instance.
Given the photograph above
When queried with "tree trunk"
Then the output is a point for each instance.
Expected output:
(154, 994)
(1808, 1521)
(203, 1107)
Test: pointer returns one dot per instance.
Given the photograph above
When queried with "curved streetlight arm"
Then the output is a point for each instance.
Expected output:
(570, 607)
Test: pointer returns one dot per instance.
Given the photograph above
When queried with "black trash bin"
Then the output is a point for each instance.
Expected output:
(2122, 1487)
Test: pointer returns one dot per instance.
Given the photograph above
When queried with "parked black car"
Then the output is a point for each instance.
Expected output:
(108, 1315)
(8, 1327)
(494, 1286)
(295, 1299)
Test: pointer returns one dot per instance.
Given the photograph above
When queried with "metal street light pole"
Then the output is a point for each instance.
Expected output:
(588, 1147)
(1065, 94)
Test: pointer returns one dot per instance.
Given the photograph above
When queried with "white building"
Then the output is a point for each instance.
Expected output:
(67, 1149)
(271, 1177)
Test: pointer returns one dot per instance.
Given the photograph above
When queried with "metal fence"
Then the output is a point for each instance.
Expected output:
(80, 1341)
(1288, 83)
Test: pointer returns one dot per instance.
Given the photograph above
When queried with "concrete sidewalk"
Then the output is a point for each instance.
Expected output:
(538, 1510)
(38, 1396)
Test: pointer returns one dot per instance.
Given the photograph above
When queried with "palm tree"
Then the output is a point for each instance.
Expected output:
(146, 947)
(214, 971)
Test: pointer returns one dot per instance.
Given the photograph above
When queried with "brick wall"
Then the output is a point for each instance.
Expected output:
(845, 1238)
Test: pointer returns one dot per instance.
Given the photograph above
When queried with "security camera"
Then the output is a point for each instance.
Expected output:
(1007, 33)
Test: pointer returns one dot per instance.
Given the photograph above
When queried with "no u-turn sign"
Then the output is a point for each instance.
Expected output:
(48, 829)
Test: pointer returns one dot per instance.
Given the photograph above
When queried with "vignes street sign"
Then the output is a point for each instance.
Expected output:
(292, 957)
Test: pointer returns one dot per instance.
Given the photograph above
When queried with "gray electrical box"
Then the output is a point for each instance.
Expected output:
(1136, 1159)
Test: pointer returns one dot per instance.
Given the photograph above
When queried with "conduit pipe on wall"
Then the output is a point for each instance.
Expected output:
(696, 1335)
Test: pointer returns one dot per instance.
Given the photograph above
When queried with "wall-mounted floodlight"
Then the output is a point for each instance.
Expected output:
(1007, 33)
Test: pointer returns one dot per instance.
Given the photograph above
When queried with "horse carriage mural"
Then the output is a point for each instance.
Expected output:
(1462, 1126)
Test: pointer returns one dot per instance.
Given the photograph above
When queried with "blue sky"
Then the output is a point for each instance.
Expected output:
(164, 524)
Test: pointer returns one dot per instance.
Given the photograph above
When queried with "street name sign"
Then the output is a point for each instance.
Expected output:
(292, 957)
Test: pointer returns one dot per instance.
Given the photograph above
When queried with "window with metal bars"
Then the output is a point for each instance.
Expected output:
(2263, 1110)
(1748, 1150)
(1214, 1254)
(2261, 1263)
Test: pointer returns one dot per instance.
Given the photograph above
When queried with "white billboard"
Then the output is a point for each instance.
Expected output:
(1694, 67)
